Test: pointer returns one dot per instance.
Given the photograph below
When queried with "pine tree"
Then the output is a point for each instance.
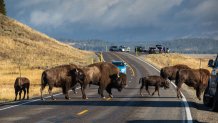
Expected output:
(2, 7)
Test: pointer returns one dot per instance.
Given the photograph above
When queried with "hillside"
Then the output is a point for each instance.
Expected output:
(33, 52)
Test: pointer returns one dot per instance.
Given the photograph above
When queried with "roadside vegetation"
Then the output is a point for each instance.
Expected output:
(31, 51)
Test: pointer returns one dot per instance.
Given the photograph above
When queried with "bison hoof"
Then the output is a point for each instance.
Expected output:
(111, 96)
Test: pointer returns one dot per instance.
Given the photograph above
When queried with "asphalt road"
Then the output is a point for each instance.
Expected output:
(126, 106)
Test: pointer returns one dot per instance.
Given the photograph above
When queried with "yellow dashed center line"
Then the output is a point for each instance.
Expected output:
(133, 73)
(82, 112)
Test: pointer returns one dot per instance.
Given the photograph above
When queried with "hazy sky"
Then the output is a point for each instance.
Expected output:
(119, 20)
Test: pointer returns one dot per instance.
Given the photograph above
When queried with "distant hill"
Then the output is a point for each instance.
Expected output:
(193, 45)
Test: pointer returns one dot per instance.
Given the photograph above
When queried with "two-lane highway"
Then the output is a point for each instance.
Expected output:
(126, 106)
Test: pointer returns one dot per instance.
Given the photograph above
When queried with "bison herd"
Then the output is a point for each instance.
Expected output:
(107, 76)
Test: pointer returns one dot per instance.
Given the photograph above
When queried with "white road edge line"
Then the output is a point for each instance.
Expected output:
(31, 101)
(187, 109)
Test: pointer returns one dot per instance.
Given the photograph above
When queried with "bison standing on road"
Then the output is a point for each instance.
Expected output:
(103, 74)
(58, 77)
(156, 81)
(21, 84)
(170, 72)
(197, 78)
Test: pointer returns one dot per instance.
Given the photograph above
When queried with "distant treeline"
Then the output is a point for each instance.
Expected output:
(191, 45)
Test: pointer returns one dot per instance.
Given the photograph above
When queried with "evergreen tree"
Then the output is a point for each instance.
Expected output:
(2, 7)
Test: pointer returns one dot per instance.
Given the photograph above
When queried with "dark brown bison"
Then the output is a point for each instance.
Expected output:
(104, 74)
(21, 84)
(170, 72)
(156, 81)
(196, 78)
(58, 77)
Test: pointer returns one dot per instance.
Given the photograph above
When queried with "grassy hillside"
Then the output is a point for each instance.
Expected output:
(33, 51)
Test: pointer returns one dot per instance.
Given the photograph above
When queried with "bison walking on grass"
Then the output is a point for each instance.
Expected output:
(170, 72)
(21, 84)
(104, 74)
(58, 77)
(196, 78)
(155, 81)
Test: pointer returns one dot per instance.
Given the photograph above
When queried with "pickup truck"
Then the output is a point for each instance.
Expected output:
(210, 98)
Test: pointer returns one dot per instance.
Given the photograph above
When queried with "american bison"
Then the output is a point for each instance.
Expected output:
(156, 81)
(196, 78)
(104, 74)
(21, 84)
(170, 72)
(58, 77)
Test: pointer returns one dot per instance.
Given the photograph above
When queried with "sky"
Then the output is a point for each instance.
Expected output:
(119, 20)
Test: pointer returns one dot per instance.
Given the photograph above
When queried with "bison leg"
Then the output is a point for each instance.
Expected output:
(108, 89)
(146, 88)
(41, 91)
(101, 91)
(156, 89)
(27, 92)
(20, 92)
(83, 87)
(16, 93)
(24, 90)
(141, 89)
(199, 90)
(50, 93)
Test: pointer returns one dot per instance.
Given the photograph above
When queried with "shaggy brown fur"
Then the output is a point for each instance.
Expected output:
(103, 74)
(196, 78)
(170, 72)
(21, 84)
(156, 81)
(58, 77)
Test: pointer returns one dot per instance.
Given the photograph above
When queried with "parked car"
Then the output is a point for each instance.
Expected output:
(121, 65)
(124, 48)
(210, 97)
(139, 49)
(114, 48)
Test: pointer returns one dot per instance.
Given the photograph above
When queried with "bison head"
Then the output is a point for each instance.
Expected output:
(119, 81)
(166, 84)
(78, 74)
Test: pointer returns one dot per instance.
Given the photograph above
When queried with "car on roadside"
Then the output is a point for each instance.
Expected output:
(124, 48)
(210, 97)
(121, 66)
(114, 48)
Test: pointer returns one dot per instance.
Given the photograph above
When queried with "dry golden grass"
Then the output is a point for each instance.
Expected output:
(33, 52)
(163, 60)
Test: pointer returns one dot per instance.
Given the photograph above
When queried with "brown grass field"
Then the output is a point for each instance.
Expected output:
(32, 51)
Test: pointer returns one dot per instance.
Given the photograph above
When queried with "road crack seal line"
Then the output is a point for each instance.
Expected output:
(186, 105)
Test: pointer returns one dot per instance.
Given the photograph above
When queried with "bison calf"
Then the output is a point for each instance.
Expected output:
(21, 84)
(156, 81)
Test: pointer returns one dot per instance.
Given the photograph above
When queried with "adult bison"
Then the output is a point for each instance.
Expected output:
(58, 77)
(196, 78)
(21, 84)
(170, 72)
(155, 81)
(104, 74)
